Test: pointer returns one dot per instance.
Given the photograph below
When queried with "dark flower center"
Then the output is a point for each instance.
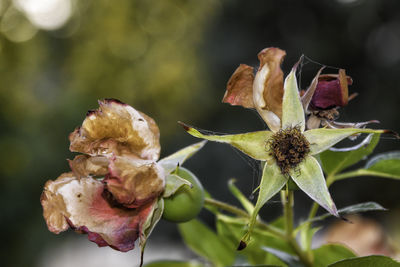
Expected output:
(289, 147)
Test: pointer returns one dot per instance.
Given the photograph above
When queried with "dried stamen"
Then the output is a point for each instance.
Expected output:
(289, 147)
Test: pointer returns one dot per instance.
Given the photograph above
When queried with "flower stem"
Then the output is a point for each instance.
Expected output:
(242, 213)
(287, 198)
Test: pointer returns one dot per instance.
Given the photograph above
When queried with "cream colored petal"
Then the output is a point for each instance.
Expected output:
(117, 128)
(268, 86)
(292, 109)
(239, 90)
(83, 205)
(133, 182)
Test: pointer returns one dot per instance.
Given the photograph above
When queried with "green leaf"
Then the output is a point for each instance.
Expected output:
(247, 205)
(206, 243)
(386, 165)
(178, 158)
(328, 254)
(172, 183)
(150, 223)
(306, 235)
(292, 109)
(290, 260)
(335, 161)
(309, 177)
(272, 181)
(368, 261)
(322, 139)
(252, 144)
(172, 263)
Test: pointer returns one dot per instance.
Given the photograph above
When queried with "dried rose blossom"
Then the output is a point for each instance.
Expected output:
(114, 192)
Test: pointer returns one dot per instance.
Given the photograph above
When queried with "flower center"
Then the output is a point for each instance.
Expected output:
(289, 147)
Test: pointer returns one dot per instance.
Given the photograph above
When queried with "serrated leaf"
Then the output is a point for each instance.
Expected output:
(170, 162)
(368, 261)
(309, 177)
(328, 254)
(292, 109)
(252, 144)
(336, 161)
(203, 241)
(385, 165)
(172, 183)
(272, 181)
(247, 205)
(172, 263)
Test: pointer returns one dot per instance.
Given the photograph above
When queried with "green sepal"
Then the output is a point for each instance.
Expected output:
(309, 177)
(172, 183)
(292, 109)
(253, 144)
(170, 162)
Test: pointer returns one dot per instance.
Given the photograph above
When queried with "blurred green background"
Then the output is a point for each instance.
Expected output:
(171, 59)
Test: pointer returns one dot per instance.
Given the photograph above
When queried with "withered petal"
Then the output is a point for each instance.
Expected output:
(82, 205)
(239, 89)
(268, 84)
(331, 91)
(84, 165)
(117, 128)
(134, 182)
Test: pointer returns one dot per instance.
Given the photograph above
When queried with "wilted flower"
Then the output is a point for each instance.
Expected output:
(114, 192)
(287, 149)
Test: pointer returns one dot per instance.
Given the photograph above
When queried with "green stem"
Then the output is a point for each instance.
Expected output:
(242, 213)
(287, 198)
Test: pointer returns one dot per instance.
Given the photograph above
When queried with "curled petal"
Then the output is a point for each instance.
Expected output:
(268, 83)
(117, 128)
(239, 90)
(331, 91)
(83, 205)
(83, 166)
(134, 182)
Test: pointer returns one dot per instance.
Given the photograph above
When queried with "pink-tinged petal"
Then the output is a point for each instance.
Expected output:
(85, 206)
(268, 83)
(134, 182)
(239, 90)
(331, 91)
(117, 128)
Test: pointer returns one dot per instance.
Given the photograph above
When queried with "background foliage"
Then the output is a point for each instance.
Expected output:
(171, 60)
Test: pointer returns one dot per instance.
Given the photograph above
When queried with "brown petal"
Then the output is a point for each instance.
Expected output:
(82, 205)
(271, 58)
(239, 90)
(117, 128)
(133, 182)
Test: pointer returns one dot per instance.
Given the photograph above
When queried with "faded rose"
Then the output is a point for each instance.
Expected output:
(115, 190)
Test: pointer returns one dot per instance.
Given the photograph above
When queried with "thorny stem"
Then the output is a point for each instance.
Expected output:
(242, 213)
(287, 198)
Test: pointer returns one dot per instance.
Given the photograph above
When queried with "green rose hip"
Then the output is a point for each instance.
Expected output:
(187, 202)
